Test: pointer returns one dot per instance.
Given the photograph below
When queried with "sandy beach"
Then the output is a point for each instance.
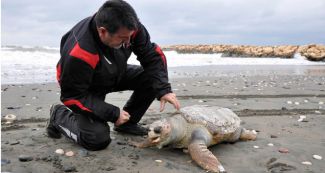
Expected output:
(269, 99)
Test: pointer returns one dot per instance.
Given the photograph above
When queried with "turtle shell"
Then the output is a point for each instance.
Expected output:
(217, 120)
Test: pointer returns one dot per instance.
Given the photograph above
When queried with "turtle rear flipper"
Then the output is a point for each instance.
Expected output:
(200, 154)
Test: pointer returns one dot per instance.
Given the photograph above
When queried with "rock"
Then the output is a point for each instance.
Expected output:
(38, 109)
(83, 153)
(5, 161)
(46, 158)
(11, 107)
(158, 161)
(285, 51)
(121, 143)
(304, 120)
(69, 153)
(317, 157)
(313, 52)
(134, 156)
(255, 146)
(109, 168)
(59, 151)
(25, 158)
(274, 136)
(283, 150)
(69, 168)
(15, 143)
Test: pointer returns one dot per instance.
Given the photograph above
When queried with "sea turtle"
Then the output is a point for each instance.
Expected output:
(195, 128)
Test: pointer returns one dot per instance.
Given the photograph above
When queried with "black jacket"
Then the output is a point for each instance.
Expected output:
(88, 69)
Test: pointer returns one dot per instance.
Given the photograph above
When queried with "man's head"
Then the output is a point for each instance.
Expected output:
(116, 21)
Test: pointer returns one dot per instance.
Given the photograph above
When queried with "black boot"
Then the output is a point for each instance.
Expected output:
(51, 130)
(132, 128)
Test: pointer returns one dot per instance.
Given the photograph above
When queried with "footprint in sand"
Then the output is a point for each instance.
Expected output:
(278, 167)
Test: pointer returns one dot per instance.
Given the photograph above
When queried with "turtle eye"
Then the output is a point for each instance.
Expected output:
(157, 129)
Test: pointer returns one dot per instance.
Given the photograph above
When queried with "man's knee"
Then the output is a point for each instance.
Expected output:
(98, 139)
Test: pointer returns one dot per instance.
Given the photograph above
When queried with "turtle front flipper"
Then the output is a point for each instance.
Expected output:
(248, 135)
(144, 144)
(199, 152)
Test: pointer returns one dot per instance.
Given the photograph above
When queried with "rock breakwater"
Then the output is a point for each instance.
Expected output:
(313, 52)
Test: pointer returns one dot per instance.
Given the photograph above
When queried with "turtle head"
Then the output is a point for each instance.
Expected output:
(159, 133)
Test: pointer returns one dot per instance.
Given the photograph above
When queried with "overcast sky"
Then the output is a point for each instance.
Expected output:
(255, 22)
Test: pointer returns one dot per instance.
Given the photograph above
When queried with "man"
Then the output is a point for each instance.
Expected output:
(93, 62)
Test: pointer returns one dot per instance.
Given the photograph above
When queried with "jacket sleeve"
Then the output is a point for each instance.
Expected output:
(75, 77)
(152, 59)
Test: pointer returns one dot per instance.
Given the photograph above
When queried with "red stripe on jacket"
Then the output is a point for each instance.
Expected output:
(162, 56)
(58, 72)
(77, 103)
(78, 52)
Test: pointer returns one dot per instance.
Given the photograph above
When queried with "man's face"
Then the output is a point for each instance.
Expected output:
(122, 36)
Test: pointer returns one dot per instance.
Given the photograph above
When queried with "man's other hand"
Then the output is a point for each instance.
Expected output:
(171, 98)
(123, 118)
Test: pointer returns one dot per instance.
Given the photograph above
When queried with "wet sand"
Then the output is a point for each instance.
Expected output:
(268, 99)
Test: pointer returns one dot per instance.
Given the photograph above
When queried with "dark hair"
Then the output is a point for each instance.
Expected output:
(114, 14)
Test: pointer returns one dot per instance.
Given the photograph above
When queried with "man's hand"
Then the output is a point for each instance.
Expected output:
(171, 98)
(123, 118)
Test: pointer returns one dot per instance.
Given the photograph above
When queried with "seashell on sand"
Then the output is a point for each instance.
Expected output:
(301, 118)
(10, 118)
(69, 153)
(306, 163)
(59, 151)
(317, 157)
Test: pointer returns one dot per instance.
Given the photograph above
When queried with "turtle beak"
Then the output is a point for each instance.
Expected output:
(153, 136)
(156, 140)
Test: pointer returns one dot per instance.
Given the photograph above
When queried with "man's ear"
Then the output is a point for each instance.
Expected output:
(101, 31)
